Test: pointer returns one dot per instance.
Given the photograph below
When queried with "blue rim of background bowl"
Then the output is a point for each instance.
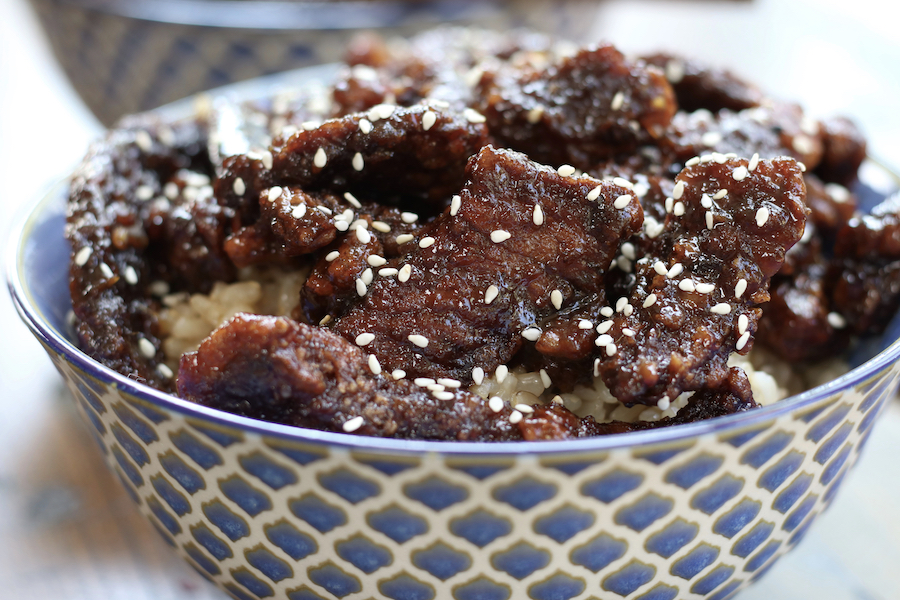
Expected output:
(262, 87)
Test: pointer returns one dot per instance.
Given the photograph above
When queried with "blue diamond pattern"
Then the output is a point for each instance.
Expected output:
(334, 580)
(685, 476)
(404, 587)
(831, 445)
(164, 518)
(795, 518)
(737, 518)
(762, 556)
(364, 554)
(629, 578)
(726, 591)
(441, 560)
(202, 454)
(318, 513)
(257, 586)
(201, 559)
(481, 589)
(673, 538)
(218, 435)
(206, 538)
(237, 592)
(294, 543)
(835, 465)
(612, 485)
(521, 560)
(598, 553)
(187, 478)
(268, 471)
(558, 587)
(526, 493)
(644, 512)
(435, 493)
(233, 526)
(250, 499)
(563, 523)
(176, 501)
(827, 423)
(349, 486)
(144, 431)
(789, 495)
(397, 524)
(132, 447)
(660, 592)
(716, 495)
(775, 475)
(713, 579)
(688, 566)
(480, 527)
(298, 455)
(268, 564)
(128, 469)
(760, 454)
(752, 539)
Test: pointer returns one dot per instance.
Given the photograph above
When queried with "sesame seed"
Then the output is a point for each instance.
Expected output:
(448, 382)
(364, 339)
(325, 320)
(428, 120)
(628, 331)
(802, 144)
(478, 375)
(617, 101)
(585, 324)
(675, 271)
(538, 215)
(566, 170)
(443, 395)
(545, 378)
(706, 158)
(663, 403)
(367, 276)
(331, 256)
(628, 251)
(606, 311)
(381, 226)
(838, 193)
(836, 320)
(532, 334)
(660, 268)
(473, 116)
(710, 220)
(524, 408)
(267, 160)
(649, 301)
(762, 215)
(361, 288)
(375, 260)
(107, 272)
(404, 273)
(604, 327)
(365, 126)
(686, 285)
(389, 272)
(352, 425)
(398, 374)
(622, 201)
(670, 204)
(742, 341)
(557, 400)
(500, 373)
(143, 193)
(363, 235)
(455, 205)
(740, 173)
(495, 404)
(711, 138)
(170, 190)
(754, 162)
(620, 303)
(556, 299)
(426, 242)
(82, 256)
(320, 159)
(146, 347)
(275, 193)
(678, 192)
(419, 340)
(352, 200)
(720, 194)
(409, 217)
(719, 158)
(705, 288)
(516, 417)
(404, 238)
(706, 201)
(611, 350)
(623, 263)
(131, 275)
(743, 322)
(298, 211)
(674, 70)
(491, 293)
(802, 166)
(423, 381)
(534, 115)
(678, 209)
(692, 161)
(165, 371)
(604, 340)
(324, 210)
(628, 310)
(594, 193)
(622, 182)
(498, 236)
(722, 308)
(740, 287)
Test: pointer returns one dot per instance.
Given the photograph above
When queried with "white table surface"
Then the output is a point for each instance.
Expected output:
(67, 530)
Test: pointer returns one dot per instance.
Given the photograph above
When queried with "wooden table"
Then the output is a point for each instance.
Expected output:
(67, 530)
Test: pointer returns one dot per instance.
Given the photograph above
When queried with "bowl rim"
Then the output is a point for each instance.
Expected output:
(30, 215)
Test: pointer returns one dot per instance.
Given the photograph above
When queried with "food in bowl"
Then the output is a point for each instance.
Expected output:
(479, 236)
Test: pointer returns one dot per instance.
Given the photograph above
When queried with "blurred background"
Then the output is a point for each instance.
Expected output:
(67, 67)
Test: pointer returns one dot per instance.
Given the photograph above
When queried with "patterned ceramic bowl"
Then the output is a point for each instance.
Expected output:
(264, 510)
(126, 56)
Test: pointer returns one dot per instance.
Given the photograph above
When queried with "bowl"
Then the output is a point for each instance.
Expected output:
(126, 56)
(265, 510)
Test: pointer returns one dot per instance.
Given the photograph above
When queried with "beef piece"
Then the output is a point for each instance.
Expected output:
(238, 186)
(843, 152)
(399, 154)
(700, 86)
(705, 274)
(585, 109)
(865, 272)
(485, 271)
(278, 370)
(830, 206)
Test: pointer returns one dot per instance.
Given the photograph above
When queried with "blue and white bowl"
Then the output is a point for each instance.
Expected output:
(270, 511)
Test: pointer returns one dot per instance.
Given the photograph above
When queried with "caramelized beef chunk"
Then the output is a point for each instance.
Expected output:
(843, 152)
(485, 271)
(699, 288)
(699, 86)
(583, 110)
(830, 206)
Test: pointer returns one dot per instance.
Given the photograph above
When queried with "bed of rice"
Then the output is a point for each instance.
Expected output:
(188, 318)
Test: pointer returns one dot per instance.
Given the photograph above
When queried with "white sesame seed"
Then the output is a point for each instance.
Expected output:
(450, 383)
(558, 399)
(628, 331)
(498, 236)
(628, 310)
(170, 190)
(165, 371)
(477, 375)
(534, 115)
(678, 209)
(801, 166)
(404, 238)
(754, 162)
(375, 260)
(722, 308)
(320, 159)
(705, 288)
(706, 158)
(364, 339)
(620, 303)
(603, 340)
(678, 192)
(802, 144)
(838, 193)
(146, 347)
(389, 272)
(404, 273)
(545, 379)
(566, 170)
(611, 350)
(443, 395)
(617, 101)
(131, 275)
(381, 226)
(324, 320)
(623, 263)
(762, 215)
(367, 277)
(585, 324)
(706, 201)
(710, 220)
(742, 341)
(538, 215)
(365, 126)
(604, 327)
(622, 201)
(711, 138)
(455, 205)
(310, 125)
(143, 193)
(398, 374)
(743, 322)
(419, 340)
(331, 256)
(740, 287)
(660, 268)
(740, 173)
(473, 116)
(352, 200)
(426, 242)
(324, 210)
(424, 381)
(532, 334)
(516, 417)
(374, 365)
(606, 311)
(500, 373)
(649, 301)
(686, 285)
(107, 272)
(159, 288)
(719, 158)
(490, 294)
(720, 194)
(267, 160)
(495, 404)
(692, 161)
(361, 288)
(298, 211)
(352, 425)
(409, 217)
(594, 193)
(670, 204)
(674, 70)
(628, 251)
(363, 235)
(622, 182)
(275, 193)
(143, 140)
(524, 408)
(836, 320)
(82, 256)
(556, 299)
(428, 120)
(663, 403)
(675, 271)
